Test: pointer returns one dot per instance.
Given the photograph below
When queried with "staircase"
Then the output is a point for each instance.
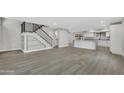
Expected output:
(34, 38)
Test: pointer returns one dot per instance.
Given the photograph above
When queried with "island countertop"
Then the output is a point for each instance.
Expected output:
(88, 44)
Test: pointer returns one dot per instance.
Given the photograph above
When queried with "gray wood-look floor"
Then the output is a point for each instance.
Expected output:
(62, 61)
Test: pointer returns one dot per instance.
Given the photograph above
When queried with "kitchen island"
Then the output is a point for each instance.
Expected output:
(87, 44)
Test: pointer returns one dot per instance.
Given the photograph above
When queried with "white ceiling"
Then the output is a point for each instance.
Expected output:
(74, 24)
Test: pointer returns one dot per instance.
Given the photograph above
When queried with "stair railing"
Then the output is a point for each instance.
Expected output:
(31, 27)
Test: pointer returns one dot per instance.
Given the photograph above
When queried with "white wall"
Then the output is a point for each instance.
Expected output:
(0, 20)
(116, 38)
(10, 35)
(123, 39)
(0, 37)
(33, 42)
(71, 38)
(63, 38)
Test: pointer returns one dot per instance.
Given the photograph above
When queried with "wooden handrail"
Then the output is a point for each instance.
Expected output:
(40, 27)
(46, 40)
(46, 34)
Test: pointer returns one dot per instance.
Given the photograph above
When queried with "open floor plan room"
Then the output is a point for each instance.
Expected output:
(62, 61)
(61, 46)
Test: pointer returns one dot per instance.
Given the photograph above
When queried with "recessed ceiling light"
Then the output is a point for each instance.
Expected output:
(91, 30)
(83, 29)
(103, 25)
(69, 27)
(102, 22)
(54, 24)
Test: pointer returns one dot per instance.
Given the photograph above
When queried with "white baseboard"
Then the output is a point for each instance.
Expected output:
(28, 51)
(10, 50)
